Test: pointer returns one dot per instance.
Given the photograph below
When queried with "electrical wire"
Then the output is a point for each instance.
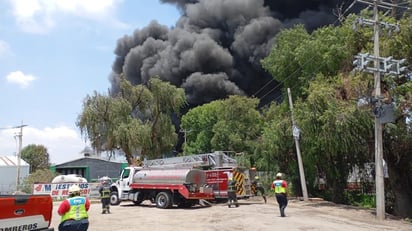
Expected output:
(300, 68)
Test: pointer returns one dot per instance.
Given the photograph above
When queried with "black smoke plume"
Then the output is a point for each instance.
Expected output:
(215, 48)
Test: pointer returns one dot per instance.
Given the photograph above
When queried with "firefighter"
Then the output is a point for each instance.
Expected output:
(258, 187)
(104, 190)
(231, 193)
(280, 187)
(73, 211)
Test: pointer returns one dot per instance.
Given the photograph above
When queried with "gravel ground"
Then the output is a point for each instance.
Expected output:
(252, 214)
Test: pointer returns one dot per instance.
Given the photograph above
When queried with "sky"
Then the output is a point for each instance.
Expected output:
(55, 53)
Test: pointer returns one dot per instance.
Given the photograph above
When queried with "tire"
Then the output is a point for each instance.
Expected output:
(114, 198)
(137, 202)
(163, 200)
(186, 204)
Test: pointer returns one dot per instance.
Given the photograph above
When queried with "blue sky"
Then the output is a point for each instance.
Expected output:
(53, 54)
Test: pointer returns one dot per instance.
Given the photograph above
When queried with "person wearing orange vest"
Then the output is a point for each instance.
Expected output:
(280, 187)
(73, 211)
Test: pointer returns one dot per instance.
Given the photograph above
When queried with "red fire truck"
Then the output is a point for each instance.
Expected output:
(26, 212)
(165, 187)
(219, 167)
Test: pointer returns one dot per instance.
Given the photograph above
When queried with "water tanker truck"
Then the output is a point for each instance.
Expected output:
(164, 187)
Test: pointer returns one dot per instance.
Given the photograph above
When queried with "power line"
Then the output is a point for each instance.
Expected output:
(380, 65)
(298, 69)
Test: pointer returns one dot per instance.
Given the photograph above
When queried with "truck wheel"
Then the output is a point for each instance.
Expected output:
(138, 202)
(114, 199)
(163, 200)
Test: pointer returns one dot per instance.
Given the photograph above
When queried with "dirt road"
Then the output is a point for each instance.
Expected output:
(252, 214)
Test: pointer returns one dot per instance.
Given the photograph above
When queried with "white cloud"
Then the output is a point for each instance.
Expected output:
(20, 78)
(63, 143)
(39, 16)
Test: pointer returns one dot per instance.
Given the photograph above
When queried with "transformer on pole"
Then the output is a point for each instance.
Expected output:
(378, 65)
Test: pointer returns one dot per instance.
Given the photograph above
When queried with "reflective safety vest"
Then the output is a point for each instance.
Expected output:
(278, 185)
(232, 186)
(77, 209)
(105, 192)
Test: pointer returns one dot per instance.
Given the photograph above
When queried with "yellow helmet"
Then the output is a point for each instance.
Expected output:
(256, 177)
(74, 189)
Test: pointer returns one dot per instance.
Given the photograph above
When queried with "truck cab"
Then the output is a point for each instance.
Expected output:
(120, 189)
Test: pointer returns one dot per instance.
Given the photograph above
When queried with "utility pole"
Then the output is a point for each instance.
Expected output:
(185, 138)
(379, 182)
(296, 132)
(380, 65)
(20, 137)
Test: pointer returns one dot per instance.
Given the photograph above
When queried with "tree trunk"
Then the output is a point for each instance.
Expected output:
(401, 185)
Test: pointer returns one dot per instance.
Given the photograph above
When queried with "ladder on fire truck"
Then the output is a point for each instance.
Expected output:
(216, 159)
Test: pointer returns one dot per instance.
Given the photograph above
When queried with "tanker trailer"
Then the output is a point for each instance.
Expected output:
(168, 187)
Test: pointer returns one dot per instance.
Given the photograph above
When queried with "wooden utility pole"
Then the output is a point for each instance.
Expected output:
(296, 133)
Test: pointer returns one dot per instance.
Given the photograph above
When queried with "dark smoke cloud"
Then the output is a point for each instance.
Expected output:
(215, 48)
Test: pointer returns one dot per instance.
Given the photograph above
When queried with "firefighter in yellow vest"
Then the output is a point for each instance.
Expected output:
(258, 187)
(74, 211)
(280, 187)
(104, 190)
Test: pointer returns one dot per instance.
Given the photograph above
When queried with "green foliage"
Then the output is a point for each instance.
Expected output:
(275, 152)
(360, 199)
(298, 57)
(233, 124)
(39, 176)
(36, 156)
(335, 133)
(136, 119)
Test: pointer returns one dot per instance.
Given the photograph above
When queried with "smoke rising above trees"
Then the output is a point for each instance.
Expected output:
(215, 48)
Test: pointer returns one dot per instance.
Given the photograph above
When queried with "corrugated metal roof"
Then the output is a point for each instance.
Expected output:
(11, 161)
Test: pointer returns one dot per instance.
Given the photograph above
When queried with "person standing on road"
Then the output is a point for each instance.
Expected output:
(259, 188)
(73, 211)
(280, 187)
(104, 190)
(231, 193)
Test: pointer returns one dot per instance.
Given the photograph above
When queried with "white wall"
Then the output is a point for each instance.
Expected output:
(8, 178)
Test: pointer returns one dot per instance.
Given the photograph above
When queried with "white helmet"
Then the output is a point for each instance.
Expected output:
(74, 189)
(279, 175)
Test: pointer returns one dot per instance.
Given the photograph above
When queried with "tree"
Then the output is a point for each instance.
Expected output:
(298, 56)
(36, 156)
(136, 120)
(39, 176)
(335, 133)
(397, 136)
(232, 124)
(276, 150)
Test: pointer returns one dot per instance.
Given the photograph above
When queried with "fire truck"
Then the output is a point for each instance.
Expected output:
(26, 212)
(166, 187)
(218, 166)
